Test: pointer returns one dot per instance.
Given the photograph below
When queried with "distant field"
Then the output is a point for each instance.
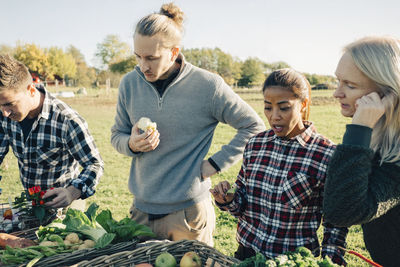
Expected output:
(98, 108)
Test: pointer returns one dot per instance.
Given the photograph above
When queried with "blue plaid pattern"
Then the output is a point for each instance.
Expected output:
(279, 197)
(57, 145)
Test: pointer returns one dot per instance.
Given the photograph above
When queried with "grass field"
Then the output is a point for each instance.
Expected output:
(98, 108)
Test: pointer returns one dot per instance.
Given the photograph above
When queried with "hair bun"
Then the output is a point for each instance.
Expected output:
(173, 12)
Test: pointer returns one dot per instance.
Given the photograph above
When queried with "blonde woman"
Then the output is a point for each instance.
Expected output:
(363, 181)
(169, 171)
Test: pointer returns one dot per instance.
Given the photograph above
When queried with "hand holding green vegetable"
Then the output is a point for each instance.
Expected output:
(222, 192)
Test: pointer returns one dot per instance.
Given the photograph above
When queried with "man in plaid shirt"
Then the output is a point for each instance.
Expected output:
(49, 139)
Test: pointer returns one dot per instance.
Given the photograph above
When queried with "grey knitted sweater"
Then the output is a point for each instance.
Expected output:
(360, 190)
(168, 178)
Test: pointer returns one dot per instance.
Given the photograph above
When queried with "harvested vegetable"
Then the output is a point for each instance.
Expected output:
(125, 229)
(89, 243)
(82, 246)
(8, 214)
(85, 223)
(73, 238)
(78, 224)
(232, 190)
(56, 227)
(48, 243)
(31, 254)
(302, 256)
(57, 239)
(14, 241)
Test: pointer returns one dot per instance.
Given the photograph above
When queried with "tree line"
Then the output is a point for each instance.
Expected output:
(116, 59)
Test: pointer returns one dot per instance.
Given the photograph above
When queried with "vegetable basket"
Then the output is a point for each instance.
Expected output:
(13, 221)
(69, 259)
(147, 253)
(27, 233)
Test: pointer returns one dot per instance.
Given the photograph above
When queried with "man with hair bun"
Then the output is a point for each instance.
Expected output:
(50, 140)
(169, 174)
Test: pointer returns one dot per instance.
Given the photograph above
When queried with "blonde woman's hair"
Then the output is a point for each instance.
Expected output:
(379, 59)
(168, 22)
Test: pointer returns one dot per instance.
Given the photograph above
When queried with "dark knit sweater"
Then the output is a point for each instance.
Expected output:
(360, 190)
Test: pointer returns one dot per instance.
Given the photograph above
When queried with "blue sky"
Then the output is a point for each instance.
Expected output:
(307, 34)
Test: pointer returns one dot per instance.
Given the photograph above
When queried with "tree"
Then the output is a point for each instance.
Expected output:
(112, 50)
(215, 60)
(252, 72)
(124, 66)
(85, 75)
(270, 67)
(114, 77)
(315, 79)
(76, 54)
(34, 58)
(204, 58)
(6, 49)
(227, 67)
(61, 64)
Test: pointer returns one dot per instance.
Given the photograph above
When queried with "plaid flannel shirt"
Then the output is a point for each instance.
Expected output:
(57, 144)
(278, 201)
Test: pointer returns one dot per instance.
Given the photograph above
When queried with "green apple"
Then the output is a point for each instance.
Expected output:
(190, 259)
(165, 259)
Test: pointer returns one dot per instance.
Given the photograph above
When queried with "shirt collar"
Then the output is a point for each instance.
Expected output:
(308, 134)
(304, 137)
(45, 113)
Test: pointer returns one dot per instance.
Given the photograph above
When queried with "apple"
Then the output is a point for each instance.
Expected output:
(143, 265)
(190, 259)
(165, 259)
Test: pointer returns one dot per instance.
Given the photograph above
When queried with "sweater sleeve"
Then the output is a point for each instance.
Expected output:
(229, 108)
(358, 188)
(357, 135)
(121, 130)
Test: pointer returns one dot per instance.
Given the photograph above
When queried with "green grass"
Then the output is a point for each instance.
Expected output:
(98, 108)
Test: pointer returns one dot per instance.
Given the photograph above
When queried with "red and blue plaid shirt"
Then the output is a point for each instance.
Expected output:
(278, 201)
